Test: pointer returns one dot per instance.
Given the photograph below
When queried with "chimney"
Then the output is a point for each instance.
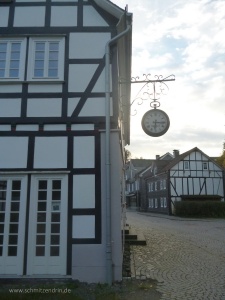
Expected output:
(157, 156)
(176, 153)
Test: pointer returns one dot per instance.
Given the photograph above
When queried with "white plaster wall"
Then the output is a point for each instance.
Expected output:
(50, 152)
(11, 88)
(30, 127)
(13, 152)
(72, 104)
(83, 227)
(6, 127)
(29, 16)
(84, 191)
(80, 44)
(86, 267)
(58, 13)
(10, 107)
(55, 127)
(45, 88)
(44, 107)
(92, 17)
(80, 76)
(4, 16)
(78, 127)
(84, 152)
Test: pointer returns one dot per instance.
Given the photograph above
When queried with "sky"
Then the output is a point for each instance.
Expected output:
(186, 39)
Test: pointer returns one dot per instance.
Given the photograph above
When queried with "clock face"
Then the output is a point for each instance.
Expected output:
(155, 122)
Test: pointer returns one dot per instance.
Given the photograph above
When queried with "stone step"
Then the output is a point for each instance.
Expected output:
(134, 238)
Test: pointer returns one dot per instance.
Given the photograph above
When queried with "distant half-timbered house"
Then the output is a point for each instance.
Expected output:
(64, 122)
(191, 175)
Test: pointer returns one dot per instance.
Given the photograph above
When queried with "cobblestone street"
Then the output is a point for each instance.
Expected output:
(185, 256)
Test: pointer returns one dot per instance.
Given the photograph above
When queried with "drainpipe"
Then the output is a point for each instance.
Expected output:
(107, 154)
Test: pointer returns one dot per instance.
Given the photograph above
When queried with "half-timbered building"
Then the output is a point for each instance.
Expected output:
(191, 175)
(64, 121)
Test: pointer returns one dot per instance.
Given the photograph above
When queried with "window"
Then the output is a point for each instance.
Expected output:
(155, 185)
(46, 59)
(204, 166)
(12, 59)
(150, 203)
(186, 165)
(165, 203)
(156, 203)
(161, 202)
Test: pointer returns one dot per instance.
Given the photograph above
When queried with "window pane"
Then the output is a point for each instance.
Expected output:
(40, 239)
(40, 251)
(14, 217)
(55, 239)
(52, 73)
(3, 47)
(3, 185)
(42, 206)
(15, 55)
(15, 196)
(13, 73)
(42, 185)
(40, 46)
(13, 239)
(15, 206)
(40, 228)
(38, 73)
(54, 251)
(55, 228)
(56, 184)
(16, 184)
(42, 195)
(1, 239)
(41, 217)
(2, 73)
(56, 195)
(2, 217)
(55, 217)
(2, 64)
(13, 228)
(53, 46)
(15, 47)
(12, 250)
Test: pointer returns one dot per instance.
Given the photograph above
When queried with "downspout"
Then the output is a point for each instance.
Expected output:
(107, 154)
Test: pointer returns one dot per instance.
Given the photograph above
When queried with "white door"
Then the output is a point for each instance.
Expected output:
(13, 200)
(47, 238)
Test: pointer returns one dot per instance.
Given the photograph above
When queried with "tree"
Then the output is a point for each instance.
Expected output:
(127, 156)
(221, 160)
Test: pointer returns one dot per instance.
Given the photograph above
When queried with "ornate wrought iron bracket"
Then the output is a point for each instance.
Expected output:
(155, 88)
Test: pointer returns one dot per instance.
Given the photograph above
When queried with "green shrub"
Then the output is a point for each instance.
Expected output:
(209, 209)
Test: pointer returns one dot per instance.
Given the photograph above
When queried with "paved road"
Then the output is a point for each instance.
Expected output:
(185, 256)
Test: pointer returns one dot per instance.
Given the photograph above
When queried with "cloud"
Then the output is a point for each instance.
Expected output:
(185, 38)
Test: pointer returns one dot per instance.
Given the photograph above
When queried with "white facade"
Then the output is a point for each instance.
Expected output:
(52, 137)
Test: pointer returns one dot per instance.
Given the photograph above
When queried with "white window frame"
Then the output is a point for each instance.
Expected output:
(31, 59)
(22, 54)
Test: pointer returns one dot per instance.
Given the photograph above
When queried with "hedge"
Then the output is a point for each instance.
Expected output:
(209, 209)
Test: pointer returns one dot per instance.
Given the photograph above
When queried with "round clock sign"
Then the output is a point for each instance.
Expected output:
(155, 122)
